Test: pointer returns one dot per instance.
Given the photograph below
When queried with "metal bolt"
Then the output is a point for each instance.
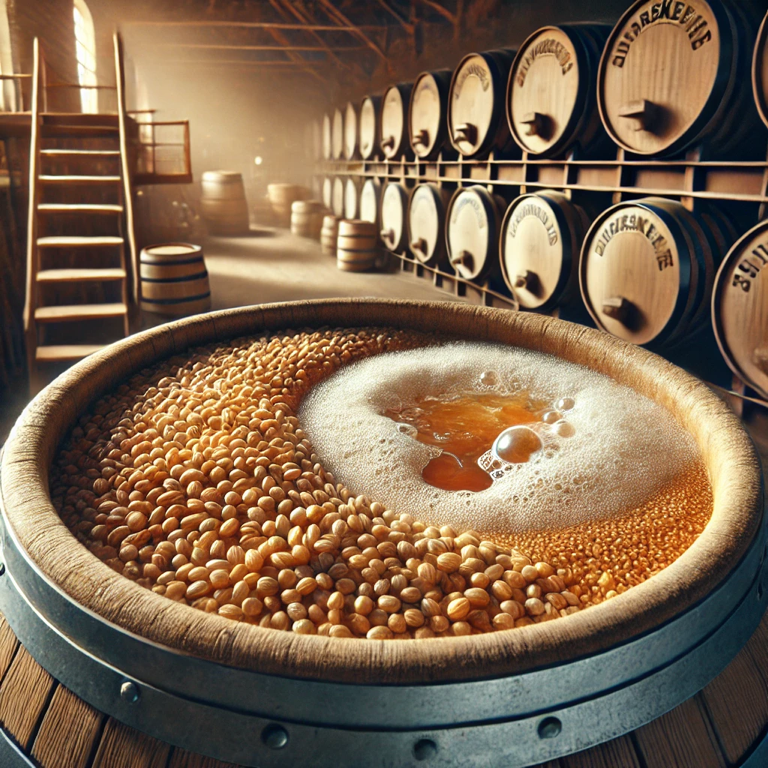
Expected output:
(274, 736)
(424, 749)
(129, 692)
(550, 727)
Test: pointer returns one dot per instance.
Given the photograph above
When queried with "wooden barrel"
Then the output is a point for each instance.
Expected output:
(426, 223)
(337, 197)
(370, 201)
(329, 235)
(328, 192)
(647, 269)
(394, 202)
(704, 96)
(760, 71)
(427, 113)
(223, 203)
(337, 134)
(739, 317)
(472, 232)
(350, 131)
(282, 197)
(307, 218)
(551, 100)
(539, 244)
(352, 199)
(327, 137)
(369, 127)
(476, 121)
(105, 667)
(356, 247)
(174, 280)
(393, 121)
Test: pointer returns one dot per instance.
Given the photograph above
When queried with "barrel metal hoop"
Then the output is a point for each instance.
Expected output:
(268, 742)
(758, 754)
(11, 755)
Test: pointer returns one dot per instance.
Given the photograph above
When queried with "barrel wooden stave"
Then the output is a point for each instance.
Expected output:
(539, 245)
(476, 113)
(368, 130)
(472, 232)
(307, 218)
(327, 137)
(393, 122)
(370, 200)
(337, 134)
(426, 223)
(646, 272)
(329, 234)
(174, 280)
(352, 199)
(394, 201)
(427, 114)
(739, 315)
(337, 197)
(356, 245)
(551, 101)
(223, 203)
(704, 96)
(350, 131)
(282, 196)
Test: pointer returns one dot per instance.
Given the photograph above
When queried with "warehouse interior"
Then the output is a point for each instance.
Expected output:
(521, 162)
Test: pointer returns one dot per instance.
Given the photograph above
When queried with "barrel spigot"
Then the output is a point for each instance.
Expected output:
(536, 124)
(464, 259)
(617, 308)
(388, 143)
(760, 358)
(388, 235)
(526, 280)
(421, 138)
(419, 245)
(465, 132)
(644, 114)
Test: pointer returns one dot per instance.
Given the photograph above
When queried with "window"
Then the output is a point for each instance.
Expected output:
(85, 45)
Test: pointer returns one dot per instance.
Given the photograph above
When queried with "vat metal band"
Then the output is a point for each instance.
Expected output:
(11, 755)
(540, 715)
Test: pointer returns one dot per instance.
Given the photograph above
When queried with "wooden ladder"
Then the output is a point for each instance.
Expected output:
(80, 325)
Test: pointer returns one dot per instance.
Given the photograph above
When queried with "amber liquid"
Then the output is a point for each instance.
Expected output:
(464, 429)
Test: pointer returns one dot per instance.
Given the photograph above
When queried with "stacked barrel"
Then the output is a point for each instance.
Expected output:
(638, 266)
(223, 203)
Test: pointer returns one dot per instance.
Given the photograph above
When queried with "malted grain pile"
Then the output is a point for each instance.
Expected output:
(196, 480)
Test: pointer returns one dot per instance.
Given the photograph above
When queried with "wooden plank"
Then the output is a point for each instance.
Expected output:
(68, 733)
(79, 275)
(124, 747)
(71, 312)
(78, 242)
(8, 646)
(62, 352)
(95, 208)
(51, 179)
(618, 753)
(682, 738)
(737, 704)
(24, 695)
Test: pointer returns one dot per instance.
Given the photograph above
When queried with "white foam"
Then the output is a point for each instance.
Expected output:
(625, 447)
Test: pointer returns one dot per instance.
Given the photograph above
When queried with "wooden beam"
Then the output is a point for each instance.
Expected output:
(247, 25)
(285, 6)
(336, 14)
(444, 12)
(392, 12)
(300, 60)
(244, 62)
(284, 48)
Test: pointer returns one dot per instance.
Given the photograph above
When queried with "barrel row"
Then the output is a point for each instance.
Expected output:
(579, 86)
(648, 271)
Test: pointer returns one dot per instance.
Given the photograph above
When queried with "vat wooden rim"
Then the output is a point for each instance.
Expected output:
(728, 452)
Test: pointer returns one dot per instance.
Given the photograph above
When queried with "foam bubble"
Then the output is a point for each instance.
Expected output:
(614, 450)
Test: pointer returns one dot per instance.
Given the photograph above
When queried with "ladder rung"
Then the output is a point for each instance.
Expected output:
(79, 275)
(66, 352)
(49, 179)
(78, 208)
(78, 242)
(73, 312)
(80, 152)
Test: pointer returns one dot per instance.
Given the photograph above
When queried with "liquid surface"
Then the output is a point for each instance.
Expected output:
(463, 428)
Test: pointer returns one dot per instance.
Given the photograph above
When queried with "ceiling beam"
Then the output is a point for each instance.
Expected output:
(286, 48)
(352, 29)
(337, 15)
(444, 12)
(389, 9)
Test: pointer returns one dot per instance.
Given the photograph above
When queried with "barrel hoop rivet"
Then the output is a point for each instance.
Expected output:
(129, 692)
(274, 736)
(424, 749)
(549, 728)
